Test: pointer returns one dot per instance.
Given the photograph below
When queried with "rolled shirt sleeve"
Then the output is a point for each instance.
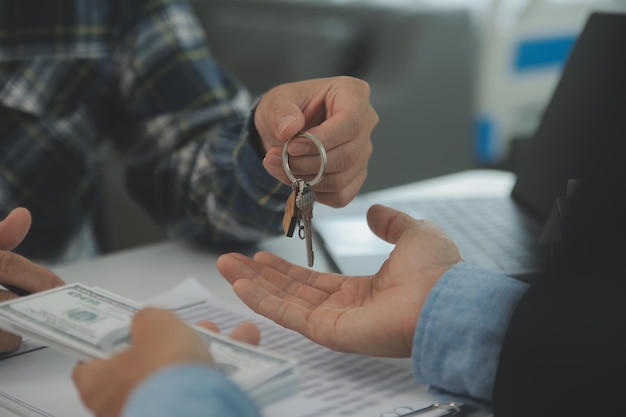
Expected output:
(460, 332)
(189, 390)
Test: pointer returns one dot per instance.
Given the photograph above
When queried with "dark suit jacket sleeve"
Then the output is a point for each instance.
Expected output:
(564, 353)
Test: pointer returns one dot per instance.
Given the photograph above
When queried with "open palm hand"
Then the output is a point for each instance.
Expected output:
(374, 315)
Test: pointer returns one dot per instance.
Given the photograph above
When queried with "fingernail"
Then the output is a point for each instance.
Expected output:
(299, 148)
(274, 161)
(285, 121)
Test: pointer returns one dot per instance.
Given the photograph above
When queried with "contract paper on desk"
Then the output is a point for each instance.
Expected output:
(331, 384)
(91, 323)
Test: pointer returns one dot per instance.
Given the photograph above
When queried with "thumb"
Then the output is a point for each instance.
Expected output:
(388, 223)
(14, 228)
(278, 118)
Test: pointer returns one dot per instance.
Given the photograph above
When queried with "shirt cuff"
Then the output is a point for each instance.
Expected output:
(461, 329)
(189, 390)
(259, 184)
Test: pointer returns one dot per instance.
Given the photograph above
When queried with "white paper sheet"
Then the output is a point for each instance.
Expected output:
(332, 384)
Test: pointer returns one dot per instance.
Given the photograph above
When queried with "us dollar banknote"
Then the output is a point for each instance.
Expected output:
(92, 323)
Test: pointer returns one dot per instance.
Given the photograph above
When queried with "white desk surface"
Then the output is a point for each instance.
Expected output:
(141, 272)
(146, 271)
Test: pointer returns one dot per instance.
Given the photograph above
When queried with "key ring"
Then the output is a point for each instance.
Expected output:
(321, 150)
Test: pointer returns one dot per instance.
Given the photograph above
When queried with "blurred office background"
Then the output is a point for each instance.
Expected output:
(458, 84)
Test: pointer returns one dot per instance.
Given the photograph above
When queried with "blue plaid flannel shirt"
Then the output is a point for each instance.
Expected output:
(76, 74)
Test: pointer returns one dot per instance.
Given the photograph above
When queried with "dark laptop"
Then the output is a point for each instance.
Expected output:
(502, 233)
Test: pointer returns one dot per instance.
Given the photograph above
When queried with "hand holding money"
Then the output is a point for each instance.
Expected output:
(18, 272)
(122, 342)
(104, 385)
(160, 339)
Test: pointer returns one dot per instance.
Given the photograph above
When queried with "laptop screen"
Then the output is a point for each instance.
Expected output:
(582, 118)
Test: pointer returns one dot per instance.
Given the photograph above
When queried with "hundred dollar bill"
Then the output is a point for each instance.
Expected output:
(89, 323)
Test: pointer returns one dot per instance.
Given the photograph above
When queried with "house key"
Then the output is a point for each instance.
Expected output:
(304, 198)
(292, 212)
(305, 201)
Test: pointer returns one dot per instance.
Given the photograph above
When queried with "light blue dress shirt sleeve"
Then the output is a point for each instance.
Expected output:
(189, 390)
(460, 332)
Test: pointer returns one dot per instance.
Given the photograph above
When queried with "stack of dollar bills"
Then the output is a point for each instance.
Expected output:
(92, 323)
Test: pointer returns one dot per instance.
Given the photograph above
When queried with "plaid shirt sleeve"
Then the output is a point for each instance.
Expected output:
(191, 164)
(76, 73)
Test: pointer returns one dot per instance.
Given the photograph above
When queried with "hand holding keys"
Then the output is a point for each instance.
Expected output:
(299, 208)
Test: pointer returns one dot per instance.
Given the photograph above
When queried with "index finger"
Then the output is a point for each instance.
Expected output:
(348, 113)
(17, 271)
(255, 282)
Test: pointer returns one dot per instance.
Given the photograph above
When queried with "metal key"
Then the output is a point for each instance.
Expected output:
(292, 212)
(304, 201)
(302, 211)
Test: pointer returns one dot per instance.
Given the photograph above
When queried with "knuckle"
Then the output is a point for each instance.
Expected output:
(338, 196)
(8, 263)
(354, 156)
(359, 83)
(343, 198)
(365, 86)
(375, 118)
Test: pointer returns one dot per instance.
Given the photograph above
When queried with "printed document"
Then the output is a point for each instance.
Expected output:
(331, 384)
